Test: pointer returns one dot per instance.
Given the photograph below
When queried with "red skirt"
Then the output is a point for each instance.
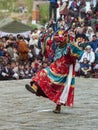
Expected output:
(51, 81)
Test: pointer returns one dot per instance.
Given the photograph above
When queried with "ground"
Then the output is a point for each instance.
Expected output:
(21, 110)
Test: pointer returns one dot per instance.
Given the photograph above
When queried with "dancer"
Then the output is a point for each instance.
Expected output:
(56, 82)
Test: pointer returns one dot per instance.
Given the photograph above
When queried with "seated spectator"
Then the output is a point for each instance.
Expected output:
(74, 8)
(44, 64)
(1, 50)
(27, 71)
(80, 34)
(90, 33)
(84, 43)
(14, 69)
(85, 68)
(96, 55)
(93, 21)
(21, 72)
(6, 57)
(94, 43)
(6, 72)
(36, 65)
(4, 40)
(10, 50)
(89, 54)
(95, 67)
(22, 49)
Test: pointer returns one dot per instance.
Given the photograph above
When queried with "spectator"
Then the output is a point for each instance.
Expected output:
(85, 68)
(82, 8)
(74, 8)
(96, 8)
(94, 43)
(1, 49)
(95, 67)
(6, 72)
(89, 54)
(63, 8)
(21, 71)
(22, 49)
(84, 43)
(53, 8)
(90, 33)
(27, 71)
(34, 37)
(10, 50)
(14, 69)
(80, 34)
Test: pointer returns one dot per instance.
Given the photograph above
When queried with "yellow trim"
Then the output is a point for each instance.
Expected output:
(34, 87)
(72, 86)
(76, 55)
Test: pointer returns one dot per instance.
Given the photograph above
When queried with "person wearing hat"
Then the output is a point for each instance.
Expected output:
(56, 82)
(89, 54)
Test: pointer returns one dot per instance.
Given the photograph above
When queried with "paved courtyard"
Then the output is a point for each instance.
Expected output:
(21, 110)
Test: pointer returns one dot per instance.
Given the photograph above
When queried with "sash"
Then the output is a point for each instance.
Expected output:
(64, 95)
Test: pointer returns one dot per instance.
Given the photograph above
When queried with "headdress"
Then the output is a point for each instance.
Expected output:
(62, 37)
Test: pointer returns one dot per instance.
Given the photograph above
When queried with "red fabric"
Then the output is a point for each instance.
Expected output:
(70, 99)
(53, 91)
(48, 49)
(57, 5)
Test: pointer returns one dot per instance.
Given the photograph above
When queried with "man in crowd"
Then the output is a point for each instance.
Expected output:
(85, 68)
(89, 54)
(94, 43)
(53, 8)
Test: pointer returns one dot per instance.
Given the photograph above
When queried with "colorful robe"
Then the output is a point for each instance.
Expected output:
(57, 81)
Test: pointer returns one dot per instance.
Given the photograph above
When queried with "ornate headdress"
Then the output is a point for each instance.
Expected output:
(61, 37)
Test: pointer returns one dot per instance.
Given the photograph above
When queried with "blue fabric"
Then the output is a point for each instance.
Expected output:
(60, 52)
(55, 78)
(53, 0)
(63, 51)
(94, 45)
(58, 79)
(72, 6)
(85, 66)
(1, 53)
(76, 50)
(96, 56)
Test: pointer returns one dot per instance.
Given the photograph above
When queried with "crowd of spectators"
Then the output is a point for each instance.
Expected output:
(21, 57)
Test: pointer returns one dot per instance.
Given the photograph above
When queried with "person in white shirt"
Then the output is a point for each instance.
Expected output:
(34, 37)
(89, 54)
